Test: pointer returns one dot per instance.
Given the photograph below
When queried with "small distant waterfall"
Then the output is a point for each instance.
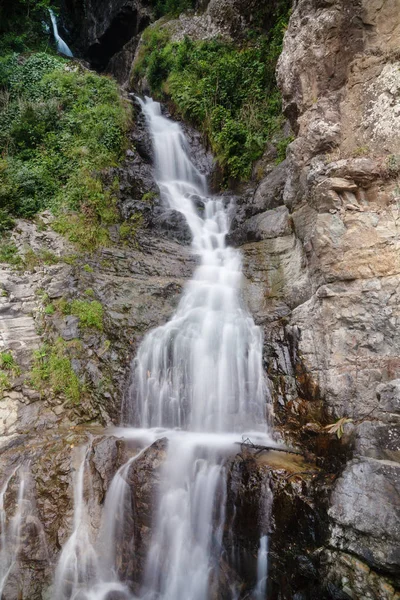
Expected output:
(197, 381)
(61, 45)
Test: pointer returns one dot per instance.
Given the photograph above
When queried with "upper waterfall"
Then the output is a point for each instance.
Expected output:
(61, 45)
(202, 370)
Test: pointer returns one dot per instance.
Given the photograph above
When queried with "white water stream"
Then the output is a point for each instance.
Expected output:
(61, 45)
(10, 538)
(197, 380)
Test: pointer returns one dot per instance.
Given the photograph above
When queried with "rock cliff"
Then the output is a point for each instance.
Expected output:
(322, 268)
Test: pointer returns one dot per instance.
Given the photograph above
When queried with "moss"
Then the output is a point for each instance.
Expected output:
(88, 268)
(149, 197)
(128, 229)
(52, 368)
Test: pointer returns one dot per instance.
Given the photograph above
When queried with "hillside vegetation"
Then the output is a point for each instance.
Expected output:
(226, 90)
(61, 128)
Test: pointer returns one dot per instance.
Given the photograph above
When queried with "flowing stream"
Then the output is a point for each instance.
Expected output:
(198, 381)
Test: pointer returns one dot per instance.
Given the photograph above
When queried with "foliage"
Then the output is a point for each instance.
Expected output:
(23, 25)
(281, 147)
(172, 8)
(52, 367)
(8, 367)
(61, 127)
(8, 363)
(5, 383)
(90, 314)
(9, 252)
(338, 427)
(228, 91)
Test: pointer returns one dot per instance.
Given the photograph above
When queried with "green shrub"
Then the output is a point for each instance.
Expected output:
(226, 90)
(52, 368)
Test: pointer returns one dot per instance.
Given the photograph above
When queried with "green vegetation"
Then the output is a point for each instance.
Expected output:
(22, 25)
(149, 196)
(9, 252)
(61, 128)
(281, 147)
(172, 8)
(7, 361)
(8, 367)
(227, 91)
(5, 383)
(128, 229)
(52, 368)
(89, 313)
(49, 310)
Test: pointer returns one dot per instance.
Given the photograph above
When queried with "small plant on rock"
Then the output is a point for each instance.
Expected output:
(338, 427)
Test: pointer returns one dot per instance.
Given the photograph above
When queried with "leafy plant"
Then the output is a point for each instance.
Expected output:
(338, 427)
(7, 361)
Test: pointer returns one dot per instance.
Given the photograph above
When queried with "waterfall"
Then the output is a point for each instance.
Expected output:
(10, 538)
(77, 566)
(61, 45)
(201, 373)
(197, 381)
(262, 569)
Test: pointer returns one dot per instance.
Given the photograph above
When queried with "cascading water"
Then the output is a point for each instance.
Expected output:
(11, 531)
(200, 372)
(197, 380)
(61, 45)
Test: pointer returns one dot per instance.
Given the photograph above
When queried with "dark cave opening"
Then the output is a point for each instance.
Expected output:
(124, 26)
